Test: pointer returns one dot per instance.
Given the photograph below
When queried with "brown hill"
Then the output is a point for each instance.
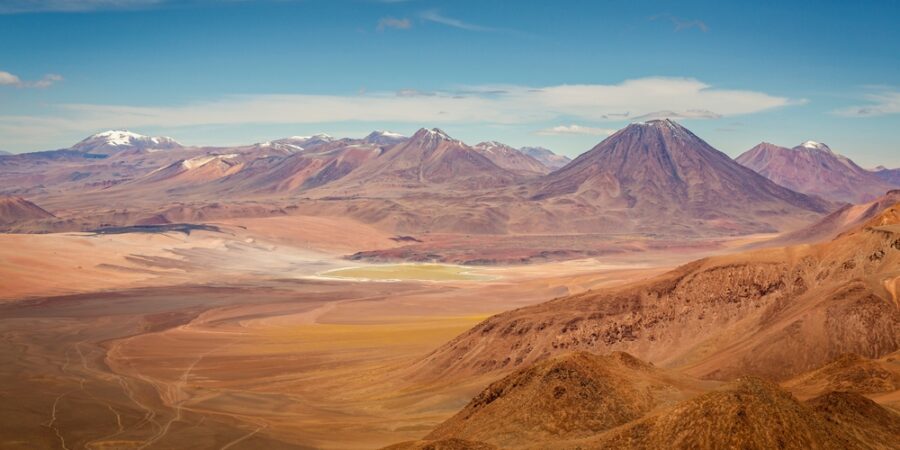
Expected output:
(864, 422)
(849, 373)
(304, 170)
(845, 218)
(571, 396)
(774, 313)
(660, 169)
(253, 172)
(430, 159)
(813, 168)
(16, 210)
(581, 400)
(748, 414)
(196, 170)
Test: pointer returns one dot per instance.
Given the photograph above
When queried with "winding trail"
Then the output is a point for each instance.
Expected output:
(242, 438)
(120, 426)
(179, 396)
(52, 423)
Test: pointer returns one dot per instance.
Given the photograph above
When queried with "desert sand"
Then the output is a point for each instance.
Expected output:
(232, 339)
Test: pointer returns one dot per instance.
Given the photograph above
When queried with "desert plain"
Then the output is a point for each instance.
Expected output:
(239, 337)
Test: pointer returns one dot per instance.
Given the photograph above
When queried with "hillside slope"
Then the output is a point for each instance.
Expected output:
(773, 313)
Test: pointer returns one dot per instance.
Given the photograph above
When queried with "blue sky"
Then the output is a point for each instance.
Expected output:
(558, 74)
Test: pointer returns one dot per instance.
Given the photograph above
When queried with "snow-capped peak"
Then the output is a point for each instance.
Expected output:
(668, 123)
(119, 137)
(813, 145)
(385, 133)
(433, 133)
(668, 126)
(438, 133)
(124, 138)
(433, 136)
(319, 136)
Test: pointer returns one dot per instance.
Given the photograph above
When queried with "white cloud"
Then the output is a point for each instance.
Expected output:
(8, 79)
(881, 103)
(688, 114)
(436, 17)
(499, 105)
(392, 22)
(576, 129)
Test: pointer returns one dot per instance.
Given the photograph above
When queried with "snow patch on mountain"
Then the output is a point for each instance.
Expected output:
(813, 145)
(122, 139)
(201, 161)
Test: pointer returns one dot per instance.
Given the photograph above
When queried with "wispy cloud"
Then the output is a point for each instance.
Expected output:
(415, 93)
(437, 17)
(687, 114)
(8, 79)
(45, 82)
(576, 129)
(682, 24)
(392, 22)
(883, 102)
(488, 104)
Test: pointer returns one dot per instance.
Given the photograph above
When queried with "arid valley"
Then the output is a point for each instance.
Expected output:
(281, 323)
(215, 341)
(433, 225)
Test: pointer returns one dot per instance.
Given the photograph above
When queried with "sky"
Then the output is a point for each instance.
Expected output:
(560, 74)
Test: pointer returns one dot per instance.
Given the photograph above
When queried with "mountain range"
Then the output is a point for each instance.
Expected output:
(655, 179)
(659, 168)
(813, 168)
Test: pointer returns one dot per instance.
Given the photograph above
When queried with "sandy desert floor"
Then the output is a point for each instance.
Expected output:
(233, 339)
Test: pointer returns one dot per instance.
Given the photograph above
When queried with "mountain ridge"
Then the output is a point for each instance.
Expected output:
(814, 168)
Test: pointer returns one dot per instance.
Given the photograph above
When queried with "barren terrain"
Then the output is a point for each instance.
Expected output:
(231, 338)
(314, 292)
